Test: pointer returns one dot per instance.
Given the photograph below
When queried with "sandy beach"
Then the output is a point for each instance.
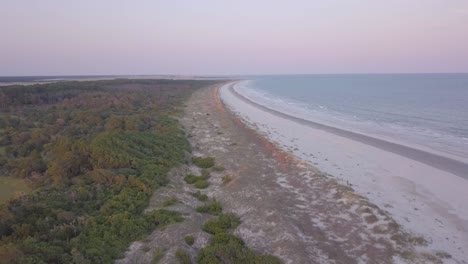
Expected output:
(423, 192)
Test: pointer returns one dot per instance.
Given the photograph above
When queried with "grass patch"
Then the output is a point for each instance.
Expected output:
(204, 163)
(191, 179)
(213, 207)
(201, 197)
(224, 223)
(201, 184)
(183, 257)
(227, 179)
(9, 187)
(218, 168)
(189, 240)
(199, 181)
(169, 201)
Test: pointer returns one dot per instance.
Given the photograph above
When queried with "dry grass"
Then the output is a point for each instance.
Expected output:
(227, 179)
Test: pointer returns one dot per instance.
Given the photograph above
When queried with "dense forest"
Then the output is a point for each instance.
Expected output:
(92, 154)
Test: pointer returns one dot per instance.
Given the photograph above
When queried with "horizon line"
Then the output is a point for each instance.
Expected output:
(203, 75)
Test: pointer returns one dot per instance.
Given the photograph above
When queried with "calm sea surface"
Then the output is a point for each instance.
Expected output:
(424, 110)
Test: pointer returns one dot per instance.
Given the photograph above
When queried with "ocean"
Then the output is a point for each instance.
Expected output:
(426, 111)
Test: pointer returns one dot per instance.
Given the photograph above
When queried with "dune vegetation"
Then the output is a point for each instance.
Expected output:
(93, 152)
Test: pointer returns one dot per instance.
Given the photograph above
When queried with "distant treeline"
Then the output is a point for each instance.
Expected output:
(93, 153)
(14, 79)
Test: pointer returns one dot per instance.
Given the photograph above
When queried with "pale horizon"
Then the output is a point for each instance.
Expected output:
(51, 37)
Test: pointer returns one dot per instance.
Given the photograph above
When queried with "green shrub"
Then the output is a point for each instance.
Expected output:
(205, 163)
(226, 248)
(201, 184)
(189, 240)
(226, 238)
(169, 201)
(224, 223)
(200, 196)
(213, 207)
(183, 257)
(191, 179)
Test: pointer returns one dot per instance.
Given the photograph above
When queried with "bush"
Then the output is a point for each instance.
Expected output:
(191, 179)
(224, 223)
(201, 184)
(214, 208)
(203, 163)
(200, 196)
(226, 248)
(225, 238)
(183, 257)
(189, 240)
(169, 201)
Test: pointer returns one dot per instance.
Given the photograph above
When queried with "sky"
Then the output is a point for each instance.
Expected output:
(218, 37)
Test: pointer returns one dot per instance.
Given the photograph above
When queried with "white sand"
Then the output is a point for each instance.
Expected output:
(423, 199)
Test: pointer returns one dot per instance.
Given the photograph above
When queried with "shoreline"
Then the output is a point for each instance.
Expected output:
(447, 164)
(423, 199)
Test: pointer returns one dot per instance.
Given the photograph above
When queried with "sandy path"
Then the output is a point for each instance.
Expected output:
(287, 207)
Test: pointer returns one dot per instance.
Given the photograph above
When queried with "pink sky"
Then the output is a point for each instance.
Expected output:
(54, 37)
